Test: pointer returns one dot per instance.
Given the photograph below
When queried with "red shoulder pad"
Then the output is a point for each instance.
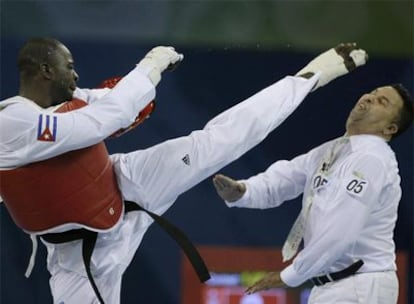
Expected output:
(144, 114)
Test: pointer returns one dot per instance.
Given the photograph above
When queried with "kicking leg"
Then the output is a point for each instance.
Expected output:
(155, 177)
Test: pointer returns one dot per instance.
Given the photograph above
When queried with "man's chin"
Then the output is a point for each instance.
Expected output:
(62, 100)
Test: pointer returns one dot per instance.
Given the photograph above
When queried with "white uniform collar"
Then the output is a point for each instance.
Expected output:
(361, 141)
(21, 99)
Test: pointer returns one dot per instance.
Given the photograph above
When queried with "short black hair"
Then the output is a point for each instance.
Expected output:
(406, 116)
(35, 52)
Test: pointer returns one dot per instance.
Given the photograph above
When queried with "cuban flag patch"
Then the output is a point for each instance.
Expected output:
(47, 127)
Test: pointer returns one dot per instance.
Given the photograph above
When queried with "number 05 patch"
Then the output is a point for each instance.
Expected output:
(356, 185)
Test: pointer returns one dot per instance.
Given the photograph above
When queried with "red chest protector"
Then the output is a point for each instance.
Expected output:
(76, 187)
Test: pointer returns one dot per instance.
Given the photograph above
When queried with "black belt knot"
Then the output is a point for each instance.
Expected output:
(339, 275)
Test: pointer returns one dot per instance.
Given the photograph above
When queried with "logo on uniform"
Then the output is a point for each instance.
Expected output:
(186, 159)
(47, 128)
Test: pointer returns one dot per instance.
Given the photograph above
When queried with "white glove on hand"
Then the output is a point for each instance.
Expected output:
(157, 61)
(335, 62)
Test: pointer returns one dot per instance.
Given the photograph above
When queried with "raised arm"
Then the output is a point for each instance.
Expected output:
(30, 133)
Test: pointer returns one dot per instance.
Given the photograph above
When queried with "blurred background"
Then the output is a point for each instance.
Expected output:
(232, 50)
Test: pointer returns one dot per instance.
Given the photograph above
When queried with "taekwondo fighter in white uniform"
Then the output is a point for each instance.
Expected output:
(35, 135)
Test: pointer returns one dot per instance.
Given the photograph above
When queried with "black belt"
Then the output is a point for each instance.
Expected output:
(339, 275)
(89, 239)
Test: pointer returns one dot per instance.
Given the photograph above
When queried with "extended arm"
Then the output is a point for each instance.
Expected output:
(30, 133)
(284, 180)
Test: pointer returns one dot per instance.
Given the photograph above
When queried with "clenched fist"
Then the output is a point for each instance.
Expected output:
(158, 60)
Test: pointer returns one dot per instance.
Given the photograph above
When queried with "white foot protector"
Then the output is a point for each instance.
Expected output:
(335, 62)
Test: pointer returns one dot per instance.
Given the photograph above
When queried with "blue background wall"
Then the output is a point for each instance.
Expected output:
(208, 81)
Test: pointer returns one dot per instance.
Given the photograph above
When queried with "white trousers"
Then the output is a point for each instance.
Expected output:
(364, 288)
(156, 176)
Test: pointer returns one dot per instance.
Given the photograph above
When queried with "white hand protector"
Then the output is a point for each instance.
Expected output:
(158, 60)
(335, 62)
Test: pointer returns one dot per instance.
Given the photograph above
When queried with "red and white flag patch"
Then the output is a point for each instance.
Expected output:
(47, 128)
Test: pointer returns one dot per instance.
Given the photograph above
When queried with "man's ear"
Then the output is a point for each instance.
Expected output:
(46, 70)
(391, 129)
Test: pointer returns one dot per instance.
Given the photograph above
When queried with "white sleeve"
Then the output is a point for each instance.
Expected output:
(22, 126)
(90, 95)
(284, 180)
(93, 95)
(341, 221)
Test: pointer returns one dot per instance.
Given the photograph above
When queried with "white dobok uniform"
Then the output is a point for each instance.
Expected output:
(351, 189)
(153, 177)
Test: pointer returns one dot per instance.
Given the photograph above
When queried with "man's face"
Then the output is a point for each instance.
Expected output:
(376, 113)
(64, 76)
